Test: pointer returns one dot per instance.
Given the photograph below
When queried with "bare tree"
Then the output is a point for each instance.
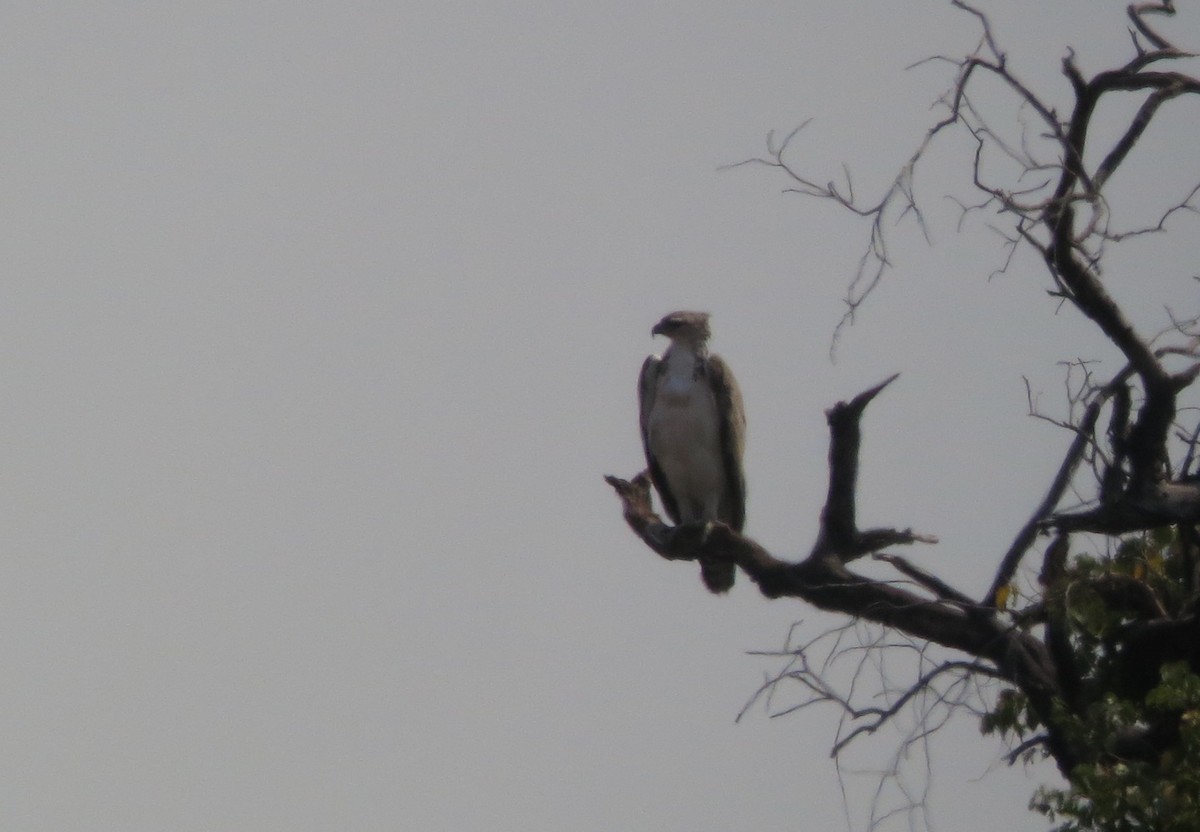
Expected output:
(1130, 465)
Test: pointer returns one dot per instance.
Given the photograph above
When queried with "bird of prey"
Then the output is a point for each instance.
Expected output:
(693, 432)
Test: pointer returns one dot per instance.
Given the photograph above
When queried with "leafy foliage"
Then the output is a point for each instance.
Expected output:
(1118, 795)
(1144, 772)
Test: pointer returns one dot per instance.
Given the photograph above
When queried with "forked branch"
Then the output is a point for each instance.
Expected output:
(823, 579)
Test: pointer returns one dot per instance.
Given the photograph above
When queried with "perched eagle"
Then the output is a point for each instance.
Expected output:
(693, 432)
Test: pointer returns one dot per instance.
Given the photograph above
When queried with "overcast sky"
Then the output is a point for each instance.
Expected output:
(321, 324)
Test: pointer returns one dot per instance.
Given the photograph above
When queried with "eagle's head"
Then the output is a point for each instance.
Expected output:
(689, 327)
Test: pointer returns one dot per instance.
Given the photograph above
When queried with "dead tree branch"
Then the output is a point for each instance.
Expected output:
(823, 579)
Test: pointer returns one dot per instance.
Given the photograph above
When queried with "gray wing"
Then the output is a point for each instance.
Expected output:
(647, 390)
(733, 440)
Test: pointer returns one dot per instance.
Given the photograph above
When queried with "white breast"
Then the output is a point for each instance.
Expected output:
(684, 436)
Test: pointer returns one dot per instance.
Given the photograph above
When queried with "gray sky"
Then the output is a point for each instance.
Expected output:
(321, 324)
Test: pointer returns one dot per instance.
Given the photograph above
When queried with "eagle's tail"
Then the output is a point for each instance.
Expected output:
(717, 575)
